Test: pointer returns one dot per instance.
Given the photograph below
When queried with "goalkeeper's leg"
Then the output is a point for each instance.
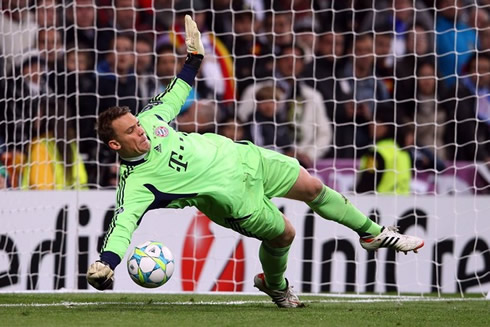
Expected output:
(334, 206)
(269, 225)
(273, 255)
(330, 204)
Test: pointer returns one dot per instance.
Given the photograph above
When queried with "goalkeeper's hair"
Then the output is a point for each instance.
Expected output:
(104, 122)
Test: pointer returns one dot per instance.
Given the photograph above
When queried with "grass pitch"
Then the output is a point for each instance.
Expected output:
(136, 310)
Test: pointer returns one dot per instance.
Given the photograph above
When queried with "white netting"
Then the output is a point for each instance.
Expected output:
(325, 72)
(337, 84)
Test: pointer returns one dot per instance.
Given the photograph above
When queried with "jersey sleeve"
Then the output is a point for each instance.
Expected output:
(131, 206)
(168, 103)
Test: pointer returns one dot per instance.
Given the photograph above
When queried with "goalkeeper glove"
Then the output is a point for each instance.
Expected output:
(100, 275)
(193, 37)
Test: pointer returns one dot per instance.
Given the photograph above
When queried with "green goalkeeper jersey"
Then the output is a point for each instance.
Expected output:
(206, 171)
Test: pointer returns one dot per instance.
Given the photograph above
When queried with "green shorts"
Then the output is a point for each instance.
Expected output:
(276, 175)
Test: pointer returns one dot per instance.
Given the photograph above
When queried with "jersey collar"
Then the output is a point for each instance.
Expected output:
(134, 161)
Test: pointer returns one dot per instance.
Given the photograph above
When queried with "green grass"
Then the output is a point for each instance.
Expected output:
(98, 309)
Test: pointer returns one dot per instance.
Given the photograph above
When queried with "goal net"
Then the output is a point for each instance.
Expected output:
(386, 102)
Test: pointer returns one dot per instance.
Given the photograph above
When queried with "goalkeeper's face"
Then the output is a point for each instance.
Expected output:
(130, 138)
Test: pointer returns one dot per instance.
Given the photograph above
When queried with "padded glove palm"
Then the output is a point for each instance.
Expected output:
(100, 275)
(193, 37)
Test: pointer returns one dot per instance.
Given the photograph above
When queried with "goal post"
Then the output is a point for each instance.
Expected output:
(374, 98)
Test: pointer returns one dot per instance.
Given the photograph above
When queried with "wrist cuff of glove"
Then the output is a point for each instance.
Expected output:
(194, 60)
(110, 258)
(189, 71)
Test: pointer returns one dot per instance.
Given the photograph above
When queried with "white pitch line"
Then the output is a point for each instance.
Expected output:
(81, 304)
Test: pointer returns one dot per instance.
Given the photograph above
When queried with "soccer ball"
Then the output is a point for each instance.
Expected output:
(151, 264)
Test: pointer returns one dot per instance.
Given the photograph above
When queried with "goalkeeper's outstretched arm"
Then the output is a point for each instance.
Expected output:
(169, 102)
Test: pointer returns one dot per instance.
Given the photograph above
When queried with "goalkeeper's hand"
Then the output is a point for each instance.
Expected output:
(100, 275)
(193, 37)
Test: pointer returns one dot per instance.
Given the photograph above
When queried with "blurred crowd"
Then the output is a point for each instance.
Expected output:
(312, 79)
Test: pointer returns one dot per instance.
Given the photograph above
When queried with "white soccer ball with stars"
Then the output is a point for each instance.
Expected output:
(151, 264)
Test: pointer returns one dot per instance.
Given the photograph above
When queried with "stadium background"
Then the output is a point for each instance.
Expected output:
(311, 79)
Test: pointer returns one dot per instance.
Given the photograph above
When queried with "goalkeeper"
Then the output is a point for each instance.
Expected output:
(232, 183)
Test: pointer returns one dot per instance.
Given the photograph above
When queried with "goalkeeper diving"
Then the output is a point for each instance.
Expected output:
(230, 182)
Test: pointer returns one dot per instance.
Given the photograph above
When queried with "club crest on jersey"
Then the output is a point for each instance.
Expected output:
(161, 131)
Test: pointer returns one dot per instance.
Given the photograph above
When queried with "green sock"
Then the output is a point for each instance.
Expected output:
(274, 263)
(334, 206)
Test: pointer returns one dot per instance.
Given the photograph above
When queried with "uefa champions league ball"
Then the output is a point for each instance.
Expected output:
(151, 264)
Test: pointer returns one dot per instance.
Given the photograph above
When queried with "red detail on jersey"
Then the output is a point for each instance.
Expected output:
(197, 245)
(161, 131)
